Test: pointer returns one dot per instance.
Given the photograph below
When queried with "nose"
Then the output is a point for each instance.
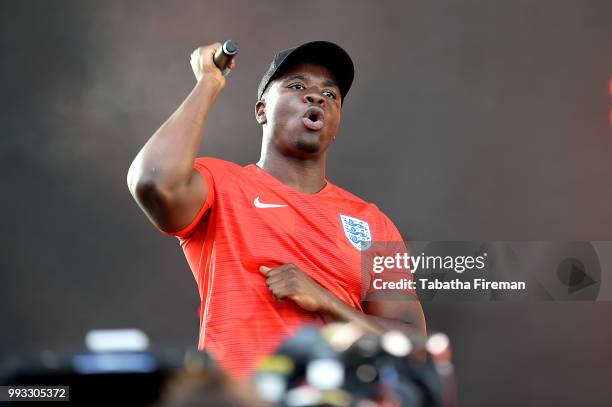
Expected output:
(312, 96)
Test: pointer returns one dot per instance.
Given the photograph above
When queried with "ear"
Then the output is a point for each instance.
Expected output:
(260, 111)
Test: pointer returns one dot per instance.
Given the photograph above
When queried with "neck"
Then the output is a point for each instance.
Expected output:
(304, 175)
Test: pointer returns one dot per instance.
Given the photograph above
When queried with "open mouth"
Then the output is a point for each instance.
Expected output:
(313, 118)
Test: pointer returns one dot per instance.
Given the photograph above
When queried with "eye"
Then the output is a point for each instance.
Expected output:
(329, 94)
(297, 86)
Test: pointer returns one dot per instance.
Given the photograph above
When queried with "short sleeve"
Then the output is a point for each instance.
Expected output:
(393, 235)
(390, 275)
(203, 167)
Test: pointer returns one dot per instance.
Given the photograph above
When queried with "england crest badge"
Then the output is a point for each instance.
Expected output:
(357, 232)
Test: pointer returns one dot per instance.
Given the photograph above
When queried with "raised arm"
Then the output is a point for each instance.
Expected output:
(162, 178)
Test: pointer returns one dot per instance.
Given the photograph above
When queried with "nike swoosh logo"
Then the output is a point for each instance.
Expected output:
(259, 204)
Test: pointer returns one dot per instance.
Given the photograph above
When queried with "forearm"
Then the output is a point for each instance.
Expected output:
(289, 281)
(166, 160)
(338, 311)
(334, 309)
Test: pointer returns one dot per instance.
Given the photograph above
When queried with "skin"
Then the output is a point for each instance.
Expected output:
(171, 192)
(290, 151)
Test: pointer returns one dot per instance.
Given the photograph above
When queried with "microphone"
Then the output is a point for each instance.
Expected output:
(224, 55)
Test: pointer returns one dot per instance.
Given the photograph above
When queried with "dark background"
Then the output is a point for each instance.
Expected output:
(468, 120)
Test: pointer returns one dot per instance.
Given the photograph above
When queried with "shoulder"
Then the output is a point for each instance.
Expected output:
(356, 202)
(216, 163)
(350, 198)
(370, 211)
(218, 168)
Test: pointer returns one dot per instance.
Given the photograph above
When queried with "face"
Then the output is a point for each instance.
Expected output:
(300, 110)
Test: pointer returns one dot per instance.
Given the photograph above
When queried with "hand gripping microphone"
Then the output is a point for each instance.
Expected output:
(224, 55)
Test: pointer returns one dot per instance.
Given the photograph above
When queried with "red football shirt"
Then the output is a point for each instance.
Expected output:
(250, 219)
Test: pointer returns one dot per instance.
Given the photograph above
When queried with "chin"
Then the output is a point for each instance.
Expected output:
(308, 147)
(309, 143)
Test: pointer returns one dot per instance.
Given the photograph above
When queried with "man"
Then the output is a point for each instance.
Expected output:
(274, 245)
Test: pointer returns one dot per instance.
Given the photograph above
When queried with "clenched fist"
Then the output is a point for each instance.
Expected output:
(289, 281)
(203, 65)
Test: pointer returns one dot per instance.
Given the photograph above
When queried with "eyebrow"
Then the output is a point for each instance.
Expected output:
(326, 82)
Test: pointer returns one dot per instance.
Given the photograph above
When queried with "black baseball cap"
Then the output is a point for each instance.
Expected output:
(328, 54)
